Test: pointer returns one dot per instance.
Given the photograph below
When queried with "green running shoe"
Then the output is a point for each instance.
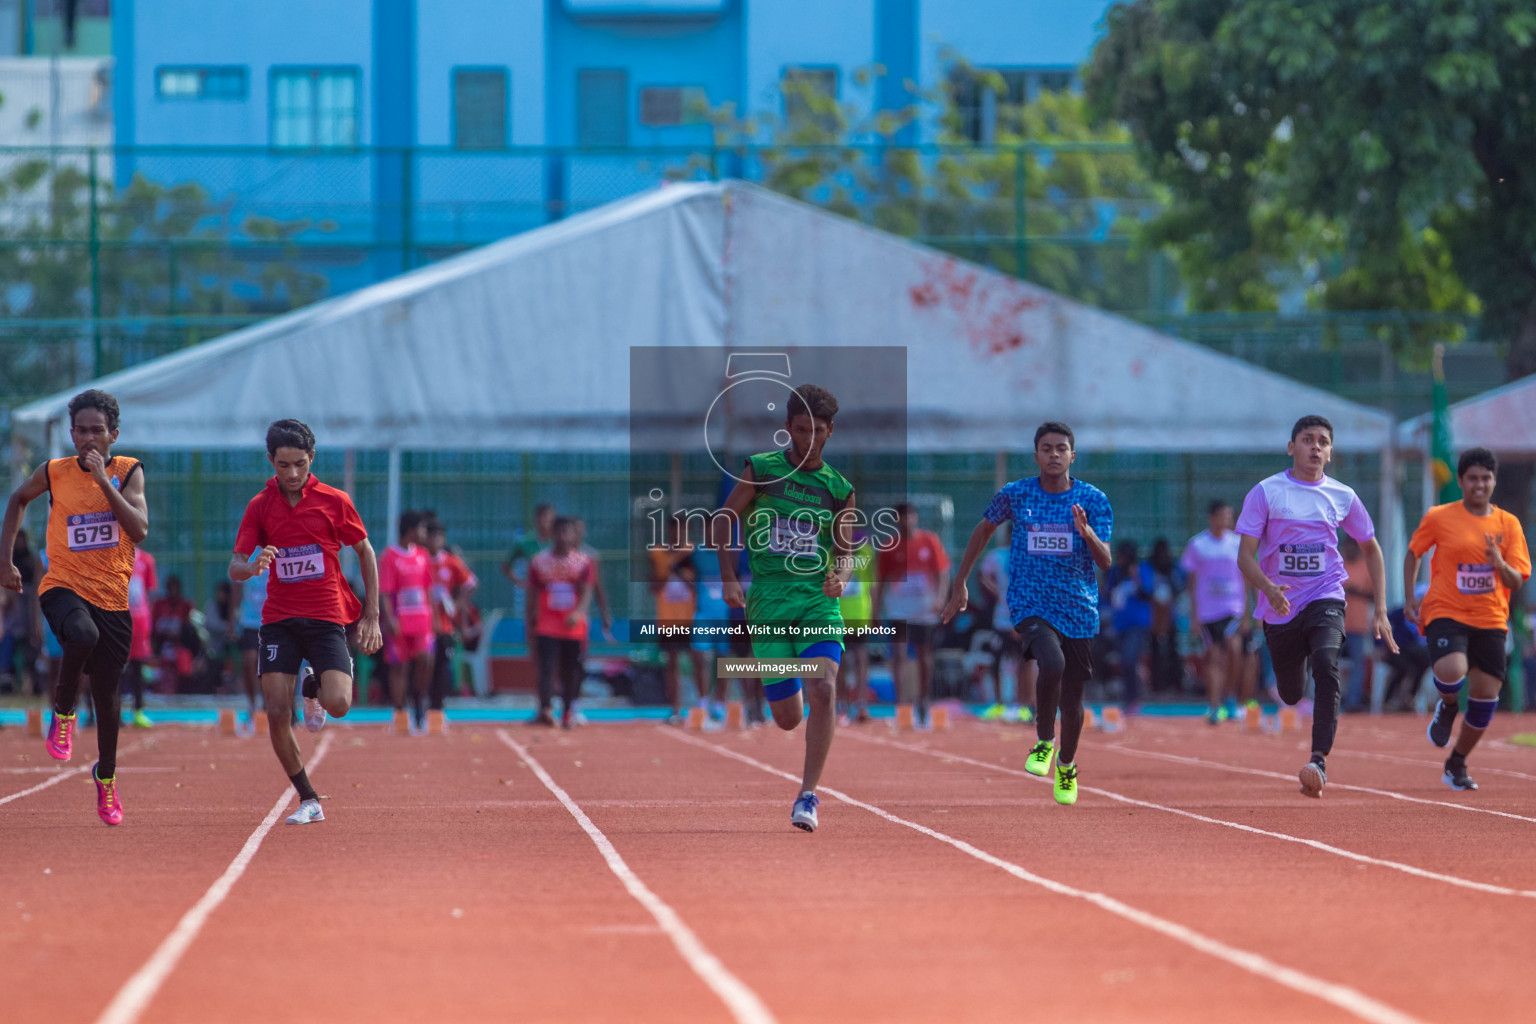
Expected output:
(1026, 714)
(1039, 760)
(141, 720)
(1066, 783)
(993, 713)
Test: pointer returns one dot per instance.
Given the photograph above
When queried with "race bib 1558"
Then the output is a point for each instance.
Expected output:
(1049, 540)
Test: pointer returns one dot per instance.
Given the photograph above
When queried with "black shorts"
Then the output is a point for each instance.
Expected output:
(250, 639)
(114, 630)
(1077, 650)
(1316, 627)
(1216, 632)
(1484, 648)
(286, 643)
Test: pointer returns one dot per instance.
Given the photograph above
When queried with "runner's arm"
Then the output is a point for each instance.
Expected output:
(981, 536)
(34, 487)
(128, 504)
(1192, 581)
(1377, 566)
(1509, 575)
(597, 589)
(735, 504)
(1410, 584)
(1248, 562)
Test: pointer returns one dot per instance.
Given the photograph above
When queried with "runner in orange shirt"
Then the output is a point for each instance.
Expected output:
(1480, 559)
(96, 516)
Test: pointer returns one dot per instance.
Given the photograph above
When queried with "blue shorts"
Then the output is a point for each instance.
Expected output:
(782, 689)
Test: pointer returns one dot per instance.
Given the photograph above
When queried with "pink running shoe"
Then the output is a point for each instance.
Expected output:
(107, 804)
(61, 736)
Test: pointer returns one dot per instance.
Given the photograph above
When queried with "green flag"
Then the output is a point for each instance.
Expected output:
(1442, 453)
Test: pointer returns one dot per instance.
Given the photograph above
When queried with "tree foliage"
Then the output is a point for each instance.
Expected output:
(1381, 154)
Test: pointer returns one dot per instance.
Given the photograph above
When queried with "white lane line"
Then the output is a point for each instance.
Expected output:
(1223, 766)
(1164, 729)
(1409, 869)
(69, 774)
(743, 1003)
(1342, 996)
(1480, 767)
(135, 995)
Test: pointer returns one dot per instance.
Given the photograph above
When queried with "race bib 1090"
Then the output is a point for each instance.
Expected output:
(1301, 559)
(295, 565)
(1475, 579)
(93, 531)
(1049, 540)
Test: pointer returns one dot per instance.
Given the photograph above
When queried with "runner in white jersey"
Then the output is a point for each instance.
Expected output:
(1290, 554)
(1218, 600)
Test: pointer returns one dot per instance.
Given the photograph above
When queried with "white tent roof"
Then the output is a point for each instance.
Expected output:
(524, 344)
(1503, 419)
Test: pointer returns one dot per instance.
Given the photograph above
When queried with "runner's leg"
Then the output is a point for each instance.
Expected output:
(109, 716)
(1480, 686)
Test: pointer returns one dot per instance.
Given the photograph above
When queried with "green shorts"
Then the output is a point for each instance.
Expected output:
(801, 605)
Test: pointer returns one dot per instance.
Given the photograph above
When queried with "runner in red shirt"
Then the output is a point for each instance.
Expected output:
(560, 582)
(910, 582)
(452, 583)
(405, 581)
(293, 531)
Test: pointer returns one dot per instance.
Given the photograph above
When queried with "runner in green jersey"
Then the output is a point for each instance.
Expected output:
(796, 515)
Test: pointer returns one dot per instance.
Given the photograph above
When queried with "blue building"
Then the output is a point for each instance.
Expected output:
(516, 112)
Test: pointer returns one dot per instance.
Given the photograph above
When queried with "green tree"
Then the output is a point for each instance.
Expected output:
(1084, 188)
(1385, 149)
(1374, 153)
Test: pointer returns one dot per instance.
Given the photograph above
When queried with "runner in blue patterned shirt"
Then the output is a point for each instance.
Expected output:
(1061, 530)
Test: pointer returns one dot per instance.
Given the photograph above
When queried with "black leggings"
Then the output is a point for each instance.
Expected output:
(133, 682)
(1064, 672)
(1312, 638)
(442, 670)
(78, 636)
(564, 657)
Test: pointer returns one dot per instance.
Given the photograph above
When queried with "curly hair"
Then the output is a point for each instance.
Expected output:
(813, 401)
(94, 399)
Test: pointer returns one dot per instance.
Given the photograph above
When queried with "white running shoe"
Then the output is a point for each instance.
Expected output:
(314, 714)
(308, 811)
(804, 814)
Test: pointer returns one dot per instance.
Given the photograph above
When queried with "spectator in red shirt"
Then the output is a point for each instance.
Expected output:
(405, 583)
(912, 579)
(560, 583)
(452, 585)
(174, 637)
(294, 531)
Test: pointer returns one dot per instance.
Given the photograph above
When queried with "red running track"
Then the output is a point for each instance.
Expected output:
(639, 873)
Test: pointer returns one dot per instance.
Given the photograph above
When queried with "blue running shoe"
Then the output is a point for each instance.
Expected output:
(804, 814)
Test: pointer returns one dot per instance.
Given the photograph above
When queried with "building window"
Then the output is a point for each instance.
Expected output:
(670, 106)
(479, 108)
(807, 93)
(192, 83)
(602, 107)
(982, 95)
(315, 108)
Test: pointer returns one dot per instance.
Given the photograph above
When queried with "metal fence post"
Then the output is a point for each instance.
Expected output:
(93, 246)
(1020, 216)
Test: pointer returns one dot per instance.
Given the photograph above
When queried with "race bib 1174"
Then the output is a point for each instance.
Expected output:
(295, 565)
(93, 531)
(1049, 540)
